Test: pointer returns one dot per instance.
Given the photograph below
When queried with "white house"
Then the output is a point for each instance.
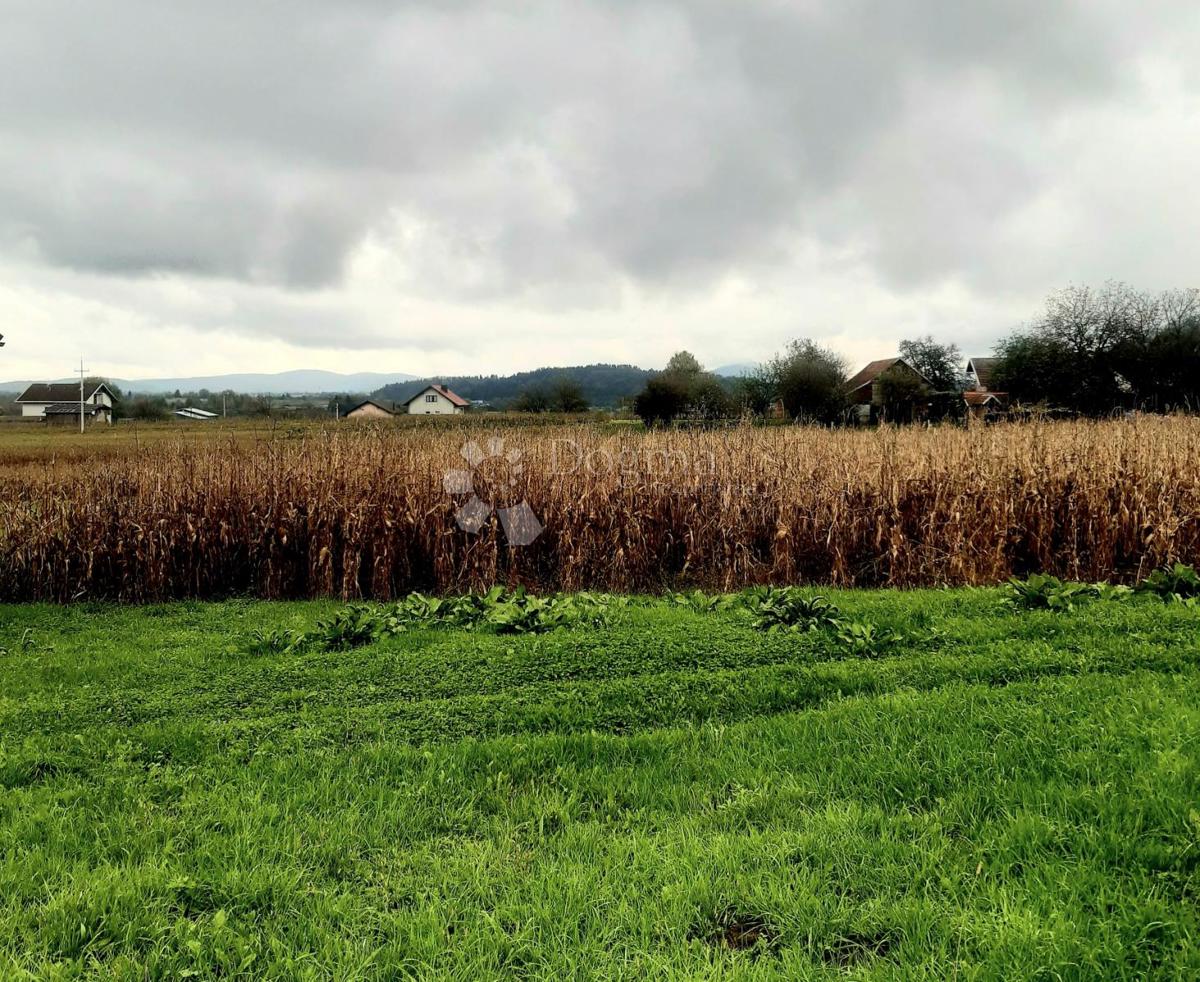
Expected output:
(60, 400)
(436, 400)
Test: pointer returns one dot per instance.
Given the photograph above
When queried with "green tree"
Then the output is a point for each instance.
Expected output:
(1034, 368)
(664, 398)
(534, 399)
(145, 408)
(902, 395)
(811, 381)
(683, 388)
(1083, 352)
(941, 364)
(754, 393)
(708, 399)
(684, 365)
(566, 396)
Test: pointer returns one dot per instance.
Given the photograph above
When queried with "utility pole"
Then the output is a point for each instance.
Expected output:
(82, 375)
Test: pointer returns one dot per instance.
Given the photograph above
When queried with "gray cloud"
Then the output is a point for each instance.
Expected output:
(548, 151)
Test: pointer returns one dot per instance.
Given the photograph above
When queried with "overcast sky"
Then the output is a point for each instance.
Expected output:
(456, 187)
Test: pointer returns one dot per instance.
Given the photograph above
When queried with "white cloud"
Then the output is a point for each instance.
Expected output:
(491, 186)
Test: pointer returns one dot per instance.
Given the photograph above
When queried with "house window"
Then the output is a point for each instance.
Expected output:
(431, 398)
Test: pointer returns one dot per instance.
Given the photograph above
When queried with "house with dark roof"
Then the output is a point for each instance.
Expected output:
(60, 402)
(436, 400)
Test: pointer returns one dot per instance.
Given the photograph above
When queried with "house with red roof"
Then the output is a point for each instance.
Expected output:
(435, 400)
(982, 400)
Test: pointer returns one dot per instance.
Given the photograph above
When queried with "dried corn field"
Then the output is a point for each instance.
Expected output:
(355, 512)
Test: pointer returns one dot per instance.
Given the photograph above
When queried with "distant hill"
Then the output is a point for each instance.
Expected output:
(604, 386)
(292, 383)
(737, 370)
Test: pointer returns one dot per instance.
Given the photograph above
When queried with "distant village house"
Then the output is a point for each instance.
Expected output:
(59, 402)
(369, 409)
(436, 400)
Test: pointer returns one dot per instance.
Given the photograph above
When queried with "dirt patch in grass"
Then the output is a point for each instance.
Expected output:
(738, 931)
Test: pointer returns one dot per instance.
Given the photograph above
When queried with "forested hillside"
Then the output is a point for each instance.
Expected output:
(602, 385)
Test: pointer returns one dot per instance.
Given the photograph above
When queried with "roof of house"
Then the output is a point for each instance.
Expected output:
(191, 412)
(982, 398)
(874, 369)
(60, 392)
(370, 402)
(442, 391)
(72, 409)
(982, 368)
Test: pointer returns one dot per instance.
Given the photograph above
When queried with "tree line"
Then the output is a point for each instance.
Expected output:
(1092, 352)
(806, 381)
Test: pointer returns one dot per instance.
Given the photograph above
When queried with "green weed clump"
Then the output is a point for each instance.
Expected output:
(502, 611)
(704, 603)
(1179, 583)
(776, 610)
(274, 641)
(1043, 592)
(789, 609)
(863, 639)
(351, 627)
(499, 611)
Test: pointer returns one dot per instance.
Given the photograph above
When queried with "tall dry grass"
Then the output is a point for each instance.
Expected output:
(356, 512)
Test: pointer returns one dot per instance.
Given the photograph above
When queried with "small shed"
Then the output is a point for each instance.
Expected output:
(67, 413)
(984, 404)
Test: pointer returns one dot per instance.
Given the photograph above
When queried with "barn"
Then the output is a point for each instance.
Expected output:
(864, 392)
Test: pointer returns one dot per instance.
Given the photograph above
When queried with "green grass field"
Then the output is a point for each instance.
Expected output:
(1004, 795)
